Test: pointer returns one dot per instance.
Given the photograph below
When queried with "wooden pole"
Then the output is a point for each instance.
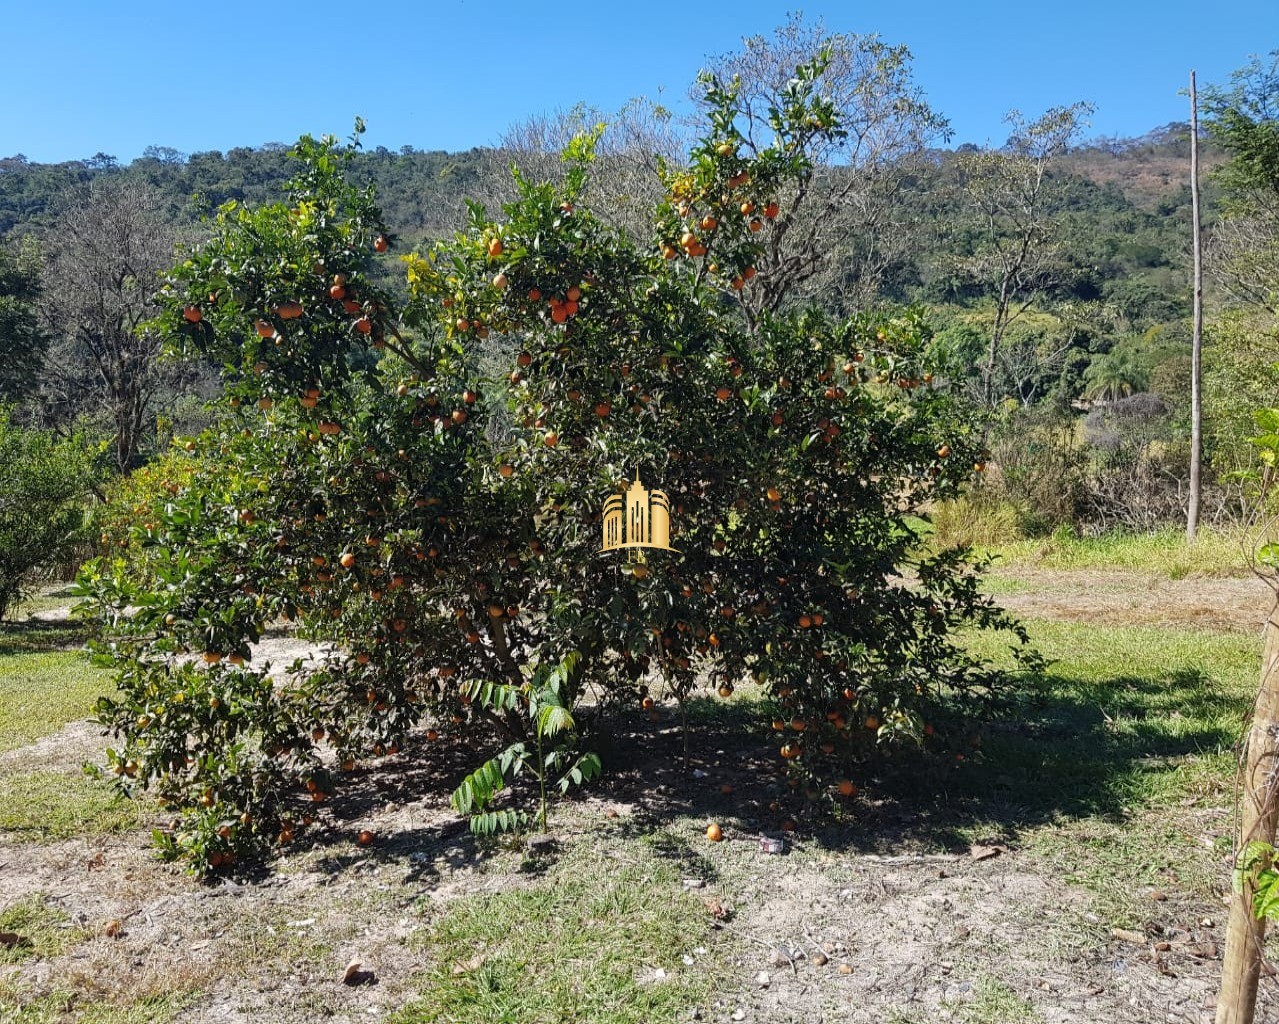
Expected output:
(1196, 344)
(1258, 815)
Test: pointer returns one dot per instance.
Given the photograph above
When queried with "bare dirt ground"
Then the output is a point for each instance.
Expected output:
(868, 921)
(1117, 598)
(827, 932)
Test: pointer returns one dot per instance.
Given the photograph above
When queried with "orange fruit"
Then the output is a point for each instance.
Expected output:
(289, 310)
(551, 439)
(365, 837)
(771, 210)
(337, 292)
(846, 788)
(347, 560)
(192, 314)
(380, 244)
(713, 832)
(495, 248)
(364, 325)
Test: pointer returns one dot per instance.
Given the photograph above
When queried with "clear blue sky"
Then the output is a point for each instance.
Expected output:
(79, 78)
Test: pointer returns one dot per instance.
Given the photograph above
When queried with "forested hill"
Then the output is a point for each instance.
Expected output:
(1123, 224)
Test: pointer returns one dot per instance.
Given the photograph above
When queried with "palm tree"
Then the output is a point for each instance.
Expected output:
(1115, 375)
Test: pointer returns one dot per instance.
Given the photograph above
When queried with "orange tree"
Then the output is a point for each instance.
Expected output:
(418, 486)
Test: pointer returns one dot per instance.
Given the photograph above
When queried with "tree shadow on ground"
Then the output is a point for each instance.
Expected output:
(1061, 748)
(1058, 749)
(40, 636)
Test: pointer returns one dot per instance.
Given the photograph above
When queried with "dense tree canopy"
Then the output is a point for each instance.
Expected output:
(420, 486)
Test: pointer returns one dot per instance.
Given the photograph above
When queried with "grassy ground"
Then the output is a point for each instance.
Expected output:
(46, 679)
(1109, 778)
(1161, 555)
(592, 932)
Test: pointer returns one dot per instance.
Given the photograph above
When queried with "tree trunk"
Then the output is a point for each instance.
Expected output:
(1196, 345)
(1258, 813)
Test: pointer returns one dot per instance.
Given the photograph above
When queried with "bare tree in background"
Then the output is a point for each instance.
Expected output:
(624, 184)
(838, 231)
(106, 254)
(1010, 196)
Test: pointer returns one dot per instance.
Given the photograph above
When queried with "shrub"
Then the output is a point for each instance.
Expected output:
(440, 531)
(124, 523)
(1039, 471)
(44, 484)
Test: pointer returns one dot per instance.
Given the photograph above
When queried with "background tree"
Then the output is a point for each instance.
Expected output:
(1245, 118)
(1014, 251)
(624, 185)
(43, 488)
(837, 230)
(22, 341)
(106, 254)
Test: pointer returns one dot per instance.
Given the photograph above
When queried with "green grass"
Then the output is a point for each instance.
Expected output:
(580, 943)
(58, 595)
(41, 687)
(41, 925)
(43, 805)
(1126, 717)
(62, 1006)
(1163, 554)
(994, 1002)
(1094, 766)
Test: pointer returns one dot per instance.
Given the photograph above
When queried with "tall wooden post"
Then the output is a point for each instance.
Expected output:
(1196, 344)
(1258, 815)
